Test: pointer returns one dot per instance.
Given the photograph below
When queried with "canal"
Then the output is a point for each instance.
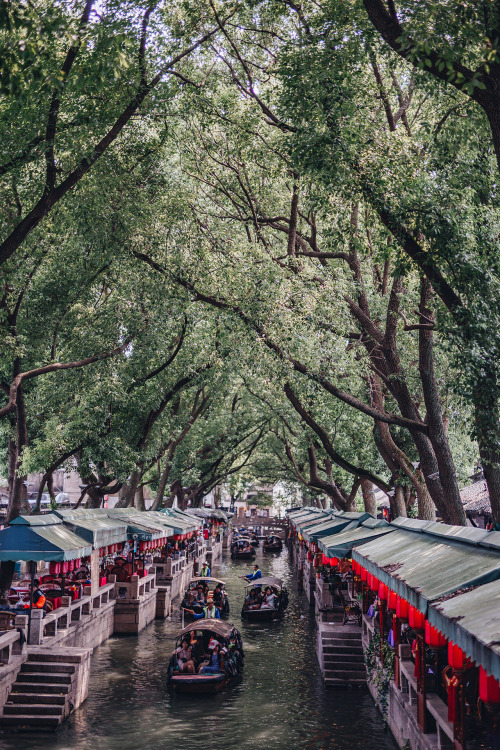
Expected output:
(281, 702)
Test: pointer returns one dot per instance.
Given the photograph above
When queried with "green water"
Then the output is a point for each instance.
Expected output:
(280, 704)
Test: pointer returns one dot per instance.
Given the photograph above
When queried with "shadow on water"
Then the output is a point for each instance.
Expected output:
(280, 702)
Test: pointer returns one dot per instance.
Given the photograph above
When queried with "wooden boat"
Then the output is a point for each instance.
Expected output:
(231, 665)
(265, 613)
(273, 544)
(206, 582)
(239, 552)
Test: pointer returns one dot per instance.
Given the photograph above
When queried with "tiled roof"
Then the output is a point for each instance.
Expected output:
(476, 497)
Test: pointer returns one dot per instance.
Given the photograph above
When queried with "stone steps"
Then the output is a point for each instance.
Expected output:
(45, 667)
(39, 689)
(51, 699)
(39, 698)
(343, 661)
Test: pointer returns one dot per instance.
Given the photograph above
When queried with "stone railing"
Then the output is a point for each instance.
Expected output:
(136, 587)
(10, 641)
(69, 613)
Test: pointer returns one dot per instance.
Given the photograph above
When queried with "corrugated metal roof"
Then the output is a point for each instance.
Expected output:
(39, 542)
(47, 519)
(142, 525)
(96, 528)
(341, 545)
(472, 621)
(422, 567)
(325, 528)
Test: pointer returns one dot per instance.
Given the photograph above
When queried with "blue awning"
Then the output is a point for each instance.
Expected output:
(41, 538)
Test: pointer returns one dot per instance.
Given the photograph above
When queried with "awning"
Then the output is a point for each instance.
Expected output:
(139, 525)
(30, 538)
(472, 621)
(95, 527)
(309, 521)
(342, 544)
(327, 528)
(424, 565)
(181, 522)
(308, 515)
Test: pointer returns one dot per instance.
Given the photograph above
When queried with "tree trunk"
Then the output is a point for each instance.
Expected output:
(139, 498)
(487, 420)
(368, 491)
(95, 497)
(437, 430)
(425, 504)
(399, 501)
(127, 494)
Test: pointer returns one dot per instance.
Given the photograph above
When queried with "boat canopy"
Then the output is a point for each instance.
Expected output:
(266, 581)
(219, 627)
(41, 538)
(207, 579)
(423, 561)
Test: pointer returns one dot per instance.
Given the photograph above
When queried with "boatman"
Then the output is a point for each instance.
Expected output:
(205, 571)
(253, 576)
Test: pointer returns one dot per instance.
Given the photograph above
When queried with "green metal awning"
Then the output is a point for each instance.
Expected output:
(326, 528)
(141, 525)
(342, 544)
(472, 621)
(95, 527)
(27, 538)
(308, 515)
(310, 521)
(424, 566)
(181, 522)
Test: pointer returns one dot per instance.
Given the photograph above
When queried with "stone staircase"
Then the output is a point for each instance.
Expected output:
(41, 697)
(343, 663)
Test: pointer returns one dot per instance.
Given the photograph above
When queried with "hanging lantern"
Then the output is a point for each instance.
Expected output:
(325, 560)
(71, 565)
(382, 592)
(310, 555)
(334, 561)
(402, 608)
(65, 567)
(489, 687)
(456, 657)
(416, 619)
(364, 574)
(392, 599)
(54, 568)
(373, 583)
(142, 546)
(316, 561)
(433, 637)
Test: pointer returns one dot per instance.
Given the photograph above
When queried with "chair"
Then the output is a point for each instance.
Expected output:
(352, 610)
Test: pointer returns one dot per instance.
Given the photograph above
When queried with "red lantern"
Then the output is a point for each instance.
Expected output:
(334, 561)
(382, 592)
(55, 568)
(142, 546)
(456, 657)
(392, 600)
(71, 565)
(310, 555)
(316, 561)
(489, 687)
(364, 574)
(416, 619)
(402, 608)
(373, 583)
(433, 637)
(325, 560)
(355, 567)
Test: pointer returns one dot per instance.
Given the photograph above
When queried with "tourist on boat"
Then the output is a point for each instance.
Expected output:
(205, 571)
(254, 599)
(200, 597)
(184, 658)
(214, 664)
(256, 574)
(209, 611)
(269, 599)
(218, 595)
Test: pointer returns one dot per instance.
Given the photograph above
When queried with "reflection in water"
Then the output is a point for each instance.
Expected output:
(280, 703)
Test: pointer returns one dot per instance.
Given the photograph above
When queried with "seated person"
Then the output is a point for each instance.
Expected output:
(200, 597)
(213, 666)
(198, 651)
(254, 599)
(184, 658)
(218, 595)
(269, 599)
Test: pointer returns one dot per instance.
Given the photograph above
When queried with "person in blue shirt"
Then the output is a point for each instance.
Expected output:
(205, 571)
(209, 612)
(214, 666)
(253, 576)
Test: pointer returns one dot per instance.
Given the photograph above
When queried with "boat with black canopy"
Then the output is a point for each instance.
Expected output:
(241, 549)
(266, 599)
(199, 591)
(273, 543)
(208, 656)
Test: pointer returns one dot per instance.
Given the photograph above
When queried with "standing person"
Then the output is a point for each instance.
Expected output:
(205, 571)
